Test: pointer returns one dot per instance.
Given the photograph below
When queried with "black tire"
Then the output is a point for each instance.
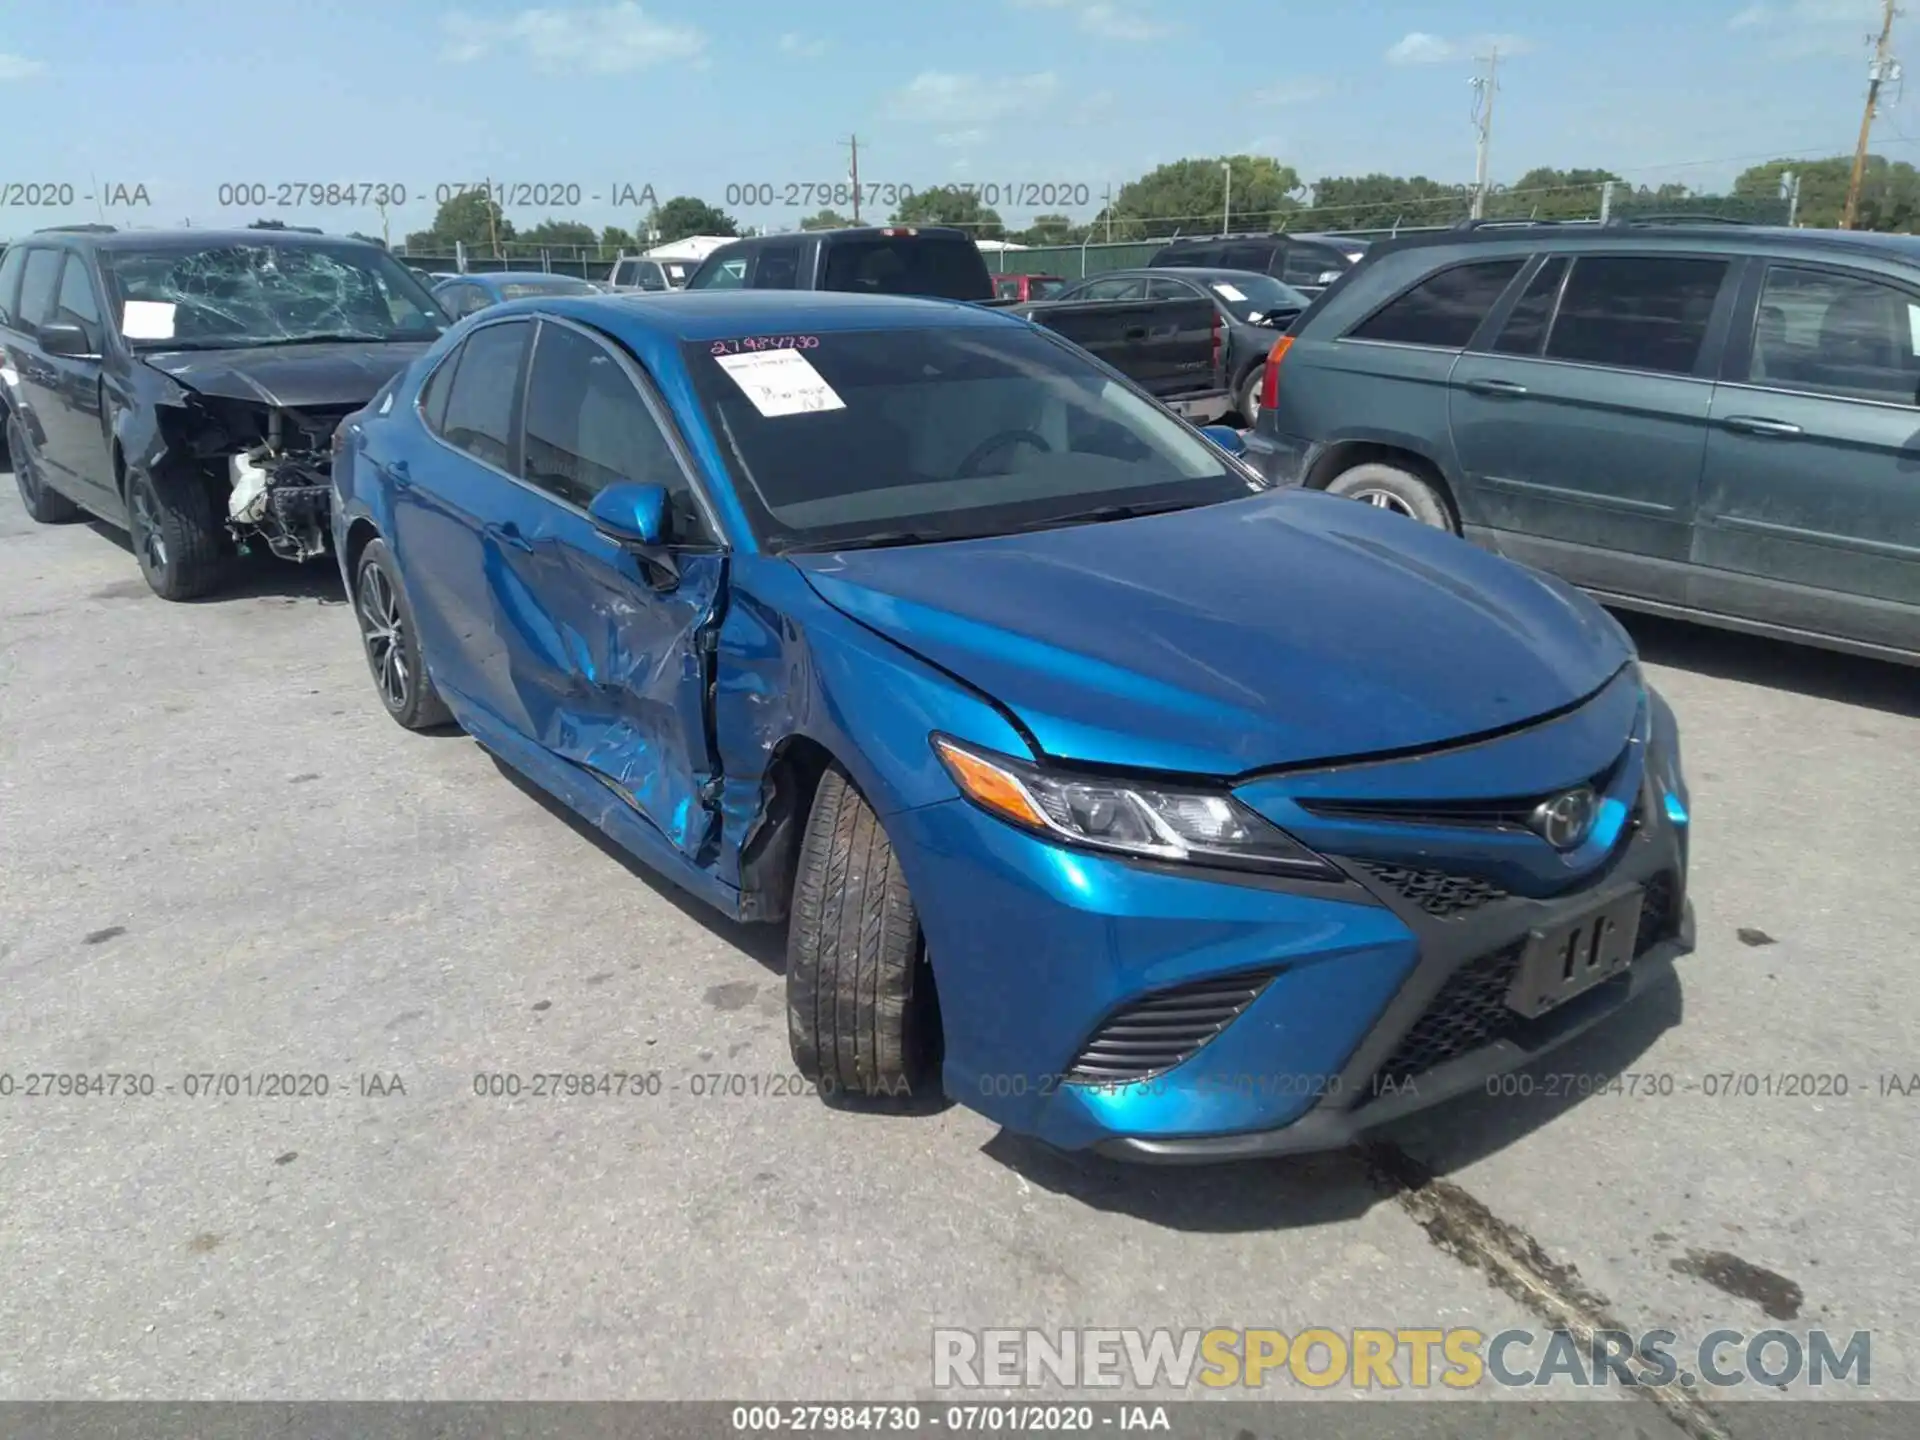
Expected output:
(1398, 490)
(861, 1018)
(175, 534)
(391, 642)
(1246, 400)
(49, 507)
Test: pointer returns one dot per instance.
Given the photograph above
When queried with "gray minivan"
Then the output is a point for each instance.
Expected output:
(1715, 421)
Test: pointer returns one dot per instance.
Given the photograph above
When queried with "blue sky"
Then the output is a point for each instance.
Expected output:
(184, 95)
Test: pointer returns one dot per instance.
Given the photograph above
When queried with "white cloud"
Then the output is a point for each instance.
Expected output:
(604, 40)
(939, 97)
(959, 139)
(1808, 28)
(18, 67)
(801, 46)
(1106, 19)
(1297, 91)
(1748, 18)
(1417, 47)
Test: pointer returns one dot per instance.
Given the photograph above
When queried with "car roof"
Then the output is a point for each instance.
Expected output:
(850, 232)
(1185, 272)
(1324, 237)
(682, 315)
(1731, 236)
(522, 277)
(194, 239)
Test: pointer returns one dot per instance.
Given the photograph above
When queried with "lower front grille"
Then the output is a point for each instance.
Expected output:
(1165, 1028)
(1471, 1008)
(1440, 894)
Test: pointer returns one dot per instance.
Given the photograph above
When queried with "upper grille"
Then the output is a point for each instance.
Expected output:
(1440, 894)
(1163, 1029)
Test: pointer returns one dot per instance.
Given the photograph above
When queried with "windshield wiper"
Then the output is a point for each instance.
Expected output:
(1102, 513)
(878, 540)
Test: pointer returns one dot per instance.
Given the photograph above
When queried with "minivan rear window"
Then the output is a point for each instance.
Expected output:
(908, 265)
(1444, 309)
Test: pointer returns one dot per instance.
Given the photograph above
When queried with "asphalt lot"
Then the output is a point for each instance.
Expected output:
(218, 854)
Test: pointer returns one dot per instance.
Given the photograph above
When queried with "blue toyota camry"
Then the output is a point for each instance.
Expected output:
(1139, 806)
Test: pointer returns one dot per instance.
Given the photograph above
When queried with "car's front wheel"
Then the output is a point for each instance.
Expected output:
(175, 536)
(861, 1015)
(391, 640)
(49, 507)
(1389, 487)
(1247, 399)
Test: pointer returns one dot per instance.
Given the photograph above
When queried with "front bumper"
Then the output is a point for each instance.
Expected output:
(1041, 954)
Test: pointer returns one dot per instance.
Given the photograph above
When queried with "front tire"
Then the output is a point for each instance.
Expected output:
(48, 507)
(861, 1018)
(1389, 487)
(176, 537)
(391, 641)
(1247, 398)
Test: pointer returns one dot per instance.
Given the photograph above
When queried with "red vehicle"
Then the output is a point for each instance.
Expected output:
(1022, 288)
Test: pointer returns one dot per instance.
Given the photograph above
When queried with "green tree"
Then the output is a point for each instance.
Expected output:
(1544, 193)
(473, 219)
(1191, 197)
(1889, 191)
(951, 205)
(686, 215)
(560, 232)
(825, 220)
(1370, 202)
(614, 238)
(1050, 230)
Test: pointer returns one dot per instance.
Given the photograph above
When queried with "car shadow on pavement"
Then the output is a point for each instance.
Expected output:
(1294, 1192)
(1777, 664)
(765, 944)
(258, 575)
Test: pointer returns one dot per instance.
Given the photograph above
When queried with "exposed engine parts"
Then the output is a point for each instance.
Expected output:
(271, 462)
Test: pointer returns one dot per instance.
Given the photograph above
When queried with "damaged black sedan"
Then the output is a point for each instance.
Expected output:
(187, 385)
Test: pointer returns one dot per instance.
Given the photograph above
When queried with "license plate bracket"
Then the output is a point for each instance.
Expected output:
(1568, 959)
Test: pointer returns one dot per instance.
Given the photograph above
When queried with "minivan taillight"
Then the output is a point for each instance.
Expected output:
(1270, 383)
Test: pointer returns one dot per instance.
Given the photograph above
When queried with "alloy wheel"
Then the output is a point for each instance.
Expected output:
(1384, 500)
(148, 536)
(383, 631)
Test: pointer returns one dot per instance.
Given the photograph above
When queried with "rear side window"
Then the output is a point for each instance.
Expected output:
(778, 269)
(479, 418)
(1836, 334)
(1208, 255)
(10, 282)
(1255, 256)
(38, 281)
(433, 398)
(1526, 328)
(908, 265)
(1444, 309)
(1007, 289)
(1636, 312)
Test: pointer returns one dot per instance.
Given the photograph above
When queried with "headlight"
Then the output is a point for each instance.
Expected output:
(1154, 822)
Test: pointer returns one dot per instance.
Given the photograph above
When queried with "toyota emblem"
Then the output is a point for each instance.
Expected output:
(1564, 820)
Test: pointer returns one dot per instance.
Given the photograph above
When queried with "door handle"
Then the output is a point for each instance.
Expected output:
(1756, 425)
(509, 533)
(1134, 332)
(399, 473)
(1497, 389)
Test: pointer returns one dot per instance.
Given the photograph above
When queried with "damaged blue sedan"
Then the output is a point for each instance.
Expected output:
(1129, 801)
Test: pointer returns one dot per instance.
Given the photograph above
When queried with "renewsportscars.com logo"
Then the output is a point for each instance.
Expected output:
(1454, 1358)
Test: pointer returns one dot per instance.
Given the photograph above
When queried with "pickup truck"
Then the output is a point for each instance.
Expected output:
(1173, 349)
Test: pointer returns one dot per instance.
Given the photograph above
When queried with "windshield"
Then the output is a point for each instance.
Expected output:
(890, 436)
(1254, 297)
(262, 293)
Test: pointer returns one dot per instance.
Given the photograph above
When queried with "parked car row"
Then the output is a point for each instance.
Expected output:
(917, 627)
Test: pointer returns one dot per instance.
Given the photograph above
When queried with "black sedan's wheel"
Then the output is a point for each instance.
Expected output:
(49, 507)
(861, 1017)
(392, 642)
(175, 536)
(1247, 400)
(1388, 487)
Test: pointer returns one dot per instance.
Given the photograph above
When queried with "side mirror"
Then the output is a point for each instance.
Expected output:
(630, 514)
(64, 339)
(1227, 438)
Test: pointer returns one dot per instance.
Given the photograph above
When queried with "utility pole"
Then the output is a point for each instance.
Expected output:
(1883, 68)
(1226, 208)
(1106, 207)
(1484, 88)
(853, 173)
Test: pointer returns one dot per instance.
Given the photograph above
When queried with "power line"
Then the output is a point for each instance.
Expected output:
(1884, 68)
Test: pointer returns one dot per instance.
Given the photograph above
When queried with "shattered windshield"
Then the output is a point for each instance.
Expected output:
(266, 294)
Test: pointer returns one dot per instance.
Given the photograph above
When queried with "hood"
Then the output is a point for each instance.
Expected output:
(290, 376)
(1287, 628)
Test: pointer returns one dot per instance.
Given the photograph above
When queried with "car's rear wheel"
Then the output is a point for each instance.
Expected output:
(861, 1015)
(176, 537)
(49, 507)
(1388, 487)
(391, 640)
(1247, 400)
